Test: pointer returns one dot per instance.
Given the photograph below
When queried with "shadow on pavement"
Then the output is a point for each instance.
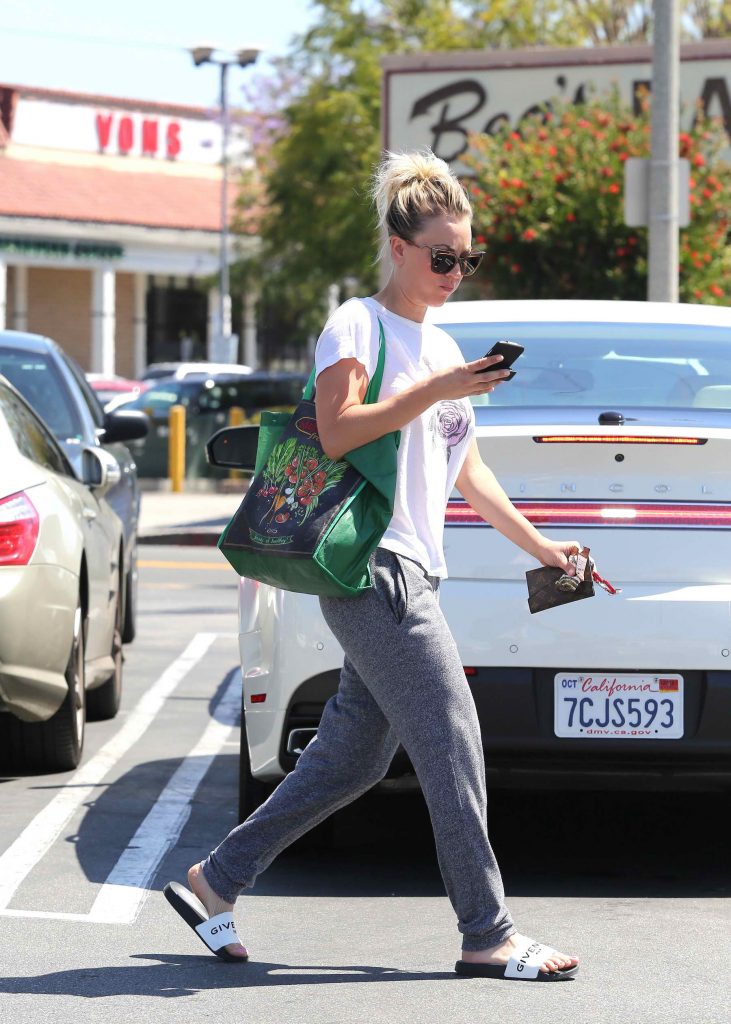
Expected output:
(114, 812)
(594, 844)
(175, 976)
(548, 843)
(589, 844)
(612, 844)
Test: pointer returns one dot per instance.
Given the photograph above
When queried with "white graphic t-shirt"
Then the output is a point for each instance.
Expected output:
(434, 445)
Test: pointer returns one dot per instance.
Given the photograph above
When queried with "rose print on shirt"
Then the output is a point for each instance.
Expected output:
(448, 425)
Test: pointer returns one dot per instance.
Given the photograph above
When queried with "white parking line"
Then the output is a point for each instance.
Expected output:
(125, 890)
(33, 843)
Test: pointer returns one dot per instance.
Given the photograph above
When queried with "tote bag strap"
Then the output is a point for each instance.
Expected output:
(374, 385)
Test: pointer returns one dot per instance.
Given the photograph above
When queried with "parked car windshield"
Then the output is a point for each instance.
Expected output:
(214, 395)
(160, 397)
(261, 393)
(37, 378)
(607, 365)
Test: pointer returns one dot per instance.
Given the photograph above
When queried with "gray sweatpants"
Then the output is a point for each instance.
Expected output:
(402, 682)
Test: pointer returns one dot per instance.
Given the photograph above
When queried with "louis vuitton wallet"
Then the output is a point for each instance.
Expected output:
(548, 587)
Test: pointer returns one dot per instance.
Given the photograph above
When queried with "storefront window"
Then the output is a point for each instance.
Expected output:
(177, 321)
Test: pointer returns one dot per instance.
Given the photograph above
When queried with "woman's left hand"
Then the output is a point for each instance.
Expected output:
(556, 552)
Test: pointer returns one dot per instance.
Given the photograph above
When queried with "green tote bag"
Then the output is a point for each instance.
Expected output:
(309, 523)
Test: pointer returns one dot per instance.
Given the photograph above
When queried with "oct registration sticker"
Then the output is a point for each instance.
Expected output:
(627, 707)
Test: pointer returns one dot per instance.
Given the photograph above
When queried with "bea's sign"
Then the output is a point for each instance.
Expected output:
(144, 136)
(438, 99)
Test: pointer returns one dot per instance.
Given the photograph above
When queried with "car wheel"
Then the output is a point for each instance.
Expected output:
(55, 745)
(103, 701)
(252, 791)
(129, 630)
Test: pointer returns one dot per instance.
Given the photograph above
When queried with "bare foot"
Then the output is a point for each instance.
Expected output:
(500, 955)
(213, 904)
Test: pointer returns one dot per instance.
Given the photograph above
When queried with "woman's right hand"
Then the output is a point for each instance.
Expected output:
(465, 380)
(345, 423)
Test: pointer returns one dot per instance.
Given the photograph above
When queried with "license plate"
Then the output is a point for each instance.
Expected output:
(627, 707)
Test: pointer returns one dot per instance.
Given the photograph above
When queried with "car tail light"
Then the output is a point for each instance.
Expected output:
(459, 513)
(690, 515)
(615, 439)
(19, 526)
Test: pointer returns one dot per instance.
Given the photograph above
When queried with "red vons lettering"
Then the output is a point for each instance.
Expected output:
(103, 130)
(173, 139)
(125, 135)
(149, 138)
(130, 133)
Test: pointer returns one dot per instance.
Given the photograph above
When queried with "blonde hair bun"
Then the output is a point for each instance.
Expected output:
(408, 188)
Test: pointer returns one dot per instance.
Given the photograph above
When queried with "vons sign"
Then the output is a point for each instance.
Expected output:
(120, 128)
(437, 99)
(144, 136)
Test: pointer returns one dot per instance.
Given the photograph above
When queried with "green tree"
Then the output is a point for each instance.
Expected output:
(548, 198)
(316, 122)
(317, 125)
(607, 22)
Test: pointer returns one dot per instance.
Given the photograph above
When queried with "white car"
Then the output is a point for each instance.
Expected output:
(616, 430)
(192, 371)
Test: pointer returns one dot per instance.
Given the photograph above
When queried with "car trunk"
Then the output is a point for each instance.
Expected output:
(652, 503)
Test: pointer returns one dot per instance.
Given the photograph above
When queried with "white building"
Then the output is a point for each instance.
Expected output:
(109, 219)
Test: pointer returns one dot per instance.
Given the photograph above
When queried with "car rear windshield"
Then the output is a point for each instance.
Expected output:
(31, 436)
(39, 381)
(251, 394)
(607, 365)
(159, 398)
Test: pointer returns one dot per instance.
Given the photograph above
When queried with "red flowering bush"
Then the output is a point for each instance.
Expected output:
(548, 200)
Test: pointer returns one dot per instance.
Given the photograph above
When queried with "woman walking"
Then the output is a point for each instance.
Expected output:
(402, 680)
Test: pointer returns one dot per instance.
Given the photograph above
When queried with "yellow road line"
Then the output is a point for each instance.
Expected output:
(145, 564)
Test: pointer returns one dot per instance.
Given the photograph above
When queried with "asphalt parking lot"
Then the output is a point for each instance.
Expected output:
(351, 924)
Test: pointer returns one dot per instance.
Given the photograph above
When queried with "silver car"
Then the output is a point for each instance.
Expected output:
(61, 578)
(56, 388)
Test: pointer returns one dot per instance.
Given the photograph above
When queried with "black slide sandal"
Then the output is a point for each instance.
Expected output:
(524, 965)
(215, 932)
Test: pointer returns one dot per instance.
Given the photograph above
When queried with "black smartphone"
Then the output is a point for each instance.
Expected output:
(509, 350)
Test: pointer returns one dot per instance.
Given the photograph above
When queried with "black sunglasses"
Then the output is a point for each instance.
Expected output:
(444, 259)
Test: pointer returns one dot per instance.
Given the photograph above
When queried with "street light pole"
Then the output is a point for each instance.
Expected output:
(224, 298)
(208, 55)
(662, 262)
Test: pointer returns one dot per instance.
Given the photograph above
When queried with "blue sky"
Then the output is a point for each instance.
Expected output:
(136, 48)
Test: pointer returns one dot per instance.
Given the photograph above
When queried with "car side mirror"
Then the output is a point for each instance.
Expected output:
(99, 470)
(125, 425)
(234, 448)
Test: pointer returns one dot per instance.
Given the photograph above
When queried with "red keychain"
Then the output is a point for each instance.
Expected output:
(550, 587)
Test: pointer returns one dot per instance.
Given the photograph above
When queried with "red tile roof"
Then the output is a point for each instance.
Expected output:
(68, 192)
